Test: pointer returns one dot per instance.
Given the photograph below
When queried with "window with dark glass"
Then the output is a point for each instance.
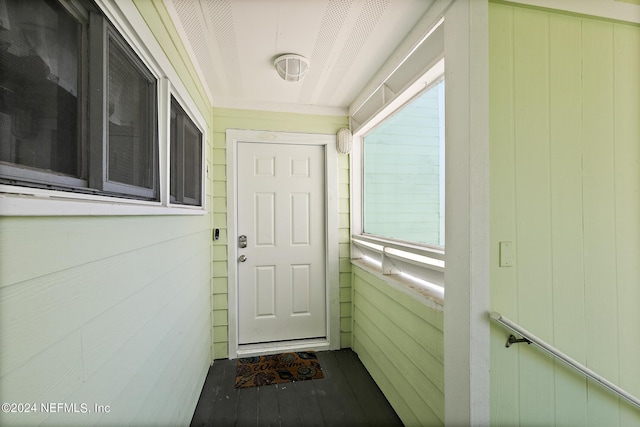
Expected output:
(77, 106)
(186, 158)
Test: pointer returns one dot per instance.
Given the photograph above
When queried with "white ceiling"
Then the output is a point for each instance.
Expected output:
(234, 43)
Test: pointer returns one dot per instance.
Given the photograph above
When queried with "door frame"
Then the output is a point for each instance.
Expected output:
(332, 261)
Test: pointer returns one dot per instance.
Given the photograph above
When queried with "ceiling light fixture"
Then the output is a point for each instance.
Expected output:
(291, 67)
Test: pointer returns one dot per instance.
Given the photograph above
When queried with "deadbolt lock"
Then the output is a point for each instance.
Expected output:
(242, 241)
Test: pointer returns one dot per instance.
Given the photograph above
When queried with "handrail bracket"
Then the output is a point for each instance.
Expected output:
(513, 340)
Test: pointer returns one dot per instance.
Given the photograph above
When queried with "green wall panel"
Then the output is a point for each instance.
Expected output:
(102, 309)
(565, 189)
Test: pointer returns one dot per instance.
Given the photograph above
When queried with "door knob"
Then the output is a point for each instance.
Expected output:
(242, 258)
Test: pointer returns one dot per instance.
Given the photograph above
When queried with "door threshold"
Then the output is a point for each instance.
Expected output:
(260, 349)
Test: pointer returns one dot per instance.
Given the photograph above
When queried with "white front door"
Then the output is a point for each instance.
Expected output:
(281, 267)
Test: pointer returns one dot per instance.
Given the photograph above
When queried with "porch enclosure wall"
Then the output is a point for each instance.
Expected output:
(400, 340)
(109, 310)
(565, 190)
(224, 119)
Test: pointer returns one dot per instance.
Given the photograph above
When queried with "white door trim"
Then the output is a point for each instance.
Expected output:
(332, 341)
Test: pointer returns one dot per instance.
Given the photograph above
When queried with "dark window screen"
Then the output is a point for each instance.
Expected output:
(39, 82)
(130, 109)
(186, 158)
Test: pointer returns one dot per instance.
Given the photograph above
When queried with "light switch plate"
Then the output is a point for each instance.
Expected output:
(506, 254)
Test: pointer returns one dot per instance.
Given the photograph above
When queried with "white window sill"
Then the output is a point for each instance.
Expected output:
(414, 269)
(432, 297)
(59, 203)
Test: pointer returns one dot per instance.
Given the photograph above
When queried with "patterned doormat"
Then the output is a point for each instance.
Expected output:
(277, 368)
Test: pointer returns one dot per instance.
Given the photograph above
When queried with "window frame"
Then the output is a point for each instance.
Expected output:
(102, 34)
(31, 177)
(396, 260)
(22, 199)
(187, 114)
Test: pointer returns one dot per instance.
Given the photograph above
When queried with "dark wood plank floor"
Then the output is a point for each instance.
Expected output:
(346, 396)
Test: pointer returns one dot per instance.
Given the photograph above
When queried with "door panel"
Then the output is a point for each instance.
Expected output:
(281, 210)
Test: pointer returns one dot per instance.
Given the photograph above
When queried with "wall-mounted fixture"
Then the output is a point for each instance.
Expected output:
(345, 141)
(291, 67)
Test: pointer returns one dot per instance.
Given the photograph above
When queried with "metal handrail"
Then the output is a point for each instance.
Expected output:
(531, 338)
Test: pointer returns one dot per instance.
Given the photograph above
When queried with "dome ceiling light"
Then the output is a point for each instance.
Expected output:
(291, 67)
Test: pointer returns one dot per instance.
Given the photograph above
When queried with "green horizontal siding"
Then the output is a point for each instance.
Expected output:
(401, 342)
(121, 322)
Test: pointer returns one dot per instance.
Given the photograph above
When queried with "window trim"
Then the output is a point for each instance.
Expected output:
(23, 200)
